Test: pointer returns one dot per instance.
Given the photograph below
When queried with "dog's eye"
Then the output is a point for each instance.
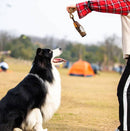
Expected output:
(50, 51)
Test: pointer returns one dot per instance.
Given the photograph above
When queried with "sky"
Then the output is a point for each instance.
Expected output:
(49, 18)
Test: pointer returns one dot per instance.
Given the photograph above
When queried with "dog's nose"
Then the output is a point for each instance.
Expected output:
(60, 48)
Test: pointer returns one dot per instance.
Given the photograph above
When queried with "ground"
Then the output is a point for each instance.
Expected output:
(87, 103)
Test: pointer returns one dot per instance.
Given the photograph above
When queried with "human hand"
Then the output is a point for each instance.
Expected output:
(71, 9)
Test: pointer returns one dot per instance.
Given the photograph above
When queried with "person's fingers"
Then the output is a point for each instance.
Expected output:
(71, 9)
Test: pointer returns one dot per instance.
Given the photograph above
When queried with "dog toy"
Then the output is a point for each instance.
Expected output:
(78, 27)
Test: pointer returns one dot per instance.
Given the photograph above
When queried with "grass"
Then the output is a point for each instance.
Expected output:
(87, 104)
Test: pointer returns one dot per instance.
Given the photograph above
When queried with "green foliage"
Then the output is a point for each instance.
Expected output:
(102, 54)
(21, 47)
(106, 52)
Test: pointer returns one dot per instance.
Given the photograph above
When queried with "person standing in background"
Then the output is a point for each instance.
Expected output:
(121, 7)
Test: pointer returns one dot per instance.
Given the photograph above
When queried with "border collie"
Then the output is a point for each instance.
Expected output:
(36, 98)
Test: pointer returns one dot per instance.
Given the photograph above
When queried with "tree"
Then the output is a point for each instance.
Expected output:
(106, 52)
(21, 47)
(112, 52)
(4, 39)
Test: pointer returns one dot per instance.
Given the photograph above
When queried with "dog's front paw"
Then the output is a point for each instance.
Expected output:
(17, 129)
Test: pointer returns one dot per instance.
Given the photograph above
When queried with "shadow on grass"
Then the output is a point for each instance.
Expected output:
(63, 127)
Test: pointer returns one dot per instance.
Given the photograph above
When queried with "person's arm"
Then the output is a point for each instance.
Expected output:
(107, 6)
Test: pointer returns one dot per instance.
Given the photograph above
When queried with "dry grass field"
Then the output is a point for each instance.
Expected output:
(87, 104)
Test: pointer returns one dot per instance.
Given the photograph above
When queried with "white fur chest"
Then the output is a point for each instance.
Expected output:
(53, 97)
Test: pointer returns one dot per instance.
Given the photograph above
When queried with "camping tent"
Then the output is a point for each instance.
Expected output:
(81, 68)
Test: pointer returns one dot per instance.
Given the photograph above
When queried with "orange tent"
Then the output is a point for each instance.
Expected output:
(81, 68)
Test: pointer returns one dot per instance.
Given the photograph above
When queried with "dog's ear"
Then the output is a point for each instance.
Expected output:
(39, 51)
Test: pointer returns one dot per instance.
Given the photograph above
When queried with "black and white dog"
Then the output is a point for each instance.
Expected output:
(36, 98)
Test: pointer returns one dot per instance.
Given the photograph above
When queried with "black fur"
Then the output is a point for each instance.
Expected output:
(42, 64)
(28, 94)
